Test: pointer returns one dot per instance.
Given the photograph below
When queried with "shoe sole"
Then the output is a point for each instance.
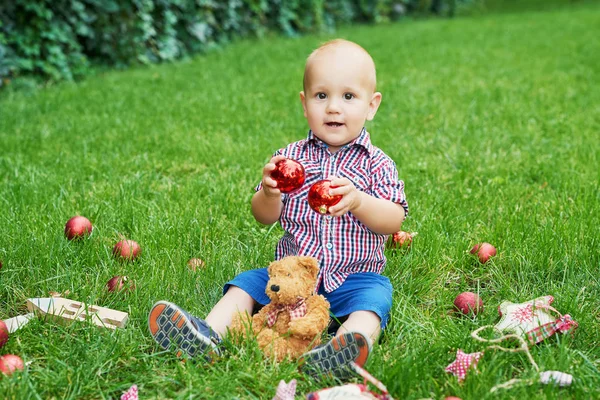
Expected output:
(171, 328)
(335, 358)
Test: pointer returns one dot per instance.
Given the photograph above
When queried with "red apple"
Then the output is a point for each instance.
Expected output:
(118, 283)
(196, 263)
(452, 398)
(468, 302)
(3, 333)
(78, 227)
(127, 249)
(484, 251)
(400, 240)
(289, 175)
(319, 198)
(9, 363)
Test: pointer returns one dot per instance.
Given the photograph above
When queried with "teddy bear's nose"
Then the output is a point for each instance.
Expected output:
(275, 288)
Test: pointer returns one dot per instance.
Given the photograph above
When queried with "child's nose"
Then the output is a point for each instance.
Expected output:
(333, 106)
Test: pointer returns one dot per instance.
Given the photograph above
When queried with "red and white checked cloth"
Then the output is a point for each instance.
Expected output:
(285, 391)
(296, 310)
(131, 394)
(463, 362)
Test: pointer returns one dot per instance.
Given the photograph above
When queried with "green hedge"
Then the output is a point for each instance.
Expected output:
(59, 39)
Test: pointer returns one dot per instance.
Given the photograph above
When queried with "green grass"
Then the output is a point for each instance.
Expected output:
(493, 122)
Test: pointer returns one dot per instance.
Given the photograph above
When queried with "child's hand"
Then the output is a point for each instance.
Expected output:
(351, 197)
(269, 184)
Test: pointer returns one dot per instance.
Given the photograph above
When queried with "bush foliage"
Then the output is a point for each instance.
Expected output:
(59, 39)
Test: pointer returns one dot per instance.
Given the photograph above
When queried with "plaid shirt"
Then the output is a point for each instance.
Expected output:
(343, 245)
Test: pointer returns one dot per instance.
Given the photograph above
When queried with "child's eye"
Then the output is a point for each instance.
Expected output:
(321, 96)
(348, 96)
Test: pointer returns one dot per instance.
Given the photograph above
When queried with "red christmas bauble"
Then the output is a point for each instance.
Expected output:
(319, 198)
(78, 227)
(9, 363)
(468, 302)
(3, 333)
(118, 283)
(484, 251)
(289, 175)
(400, 240)
(196, 263)
(127, 249)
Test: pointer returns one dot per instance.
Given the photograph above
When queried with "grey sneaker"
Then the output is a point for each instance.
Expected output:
(172, 327)
(335, 357)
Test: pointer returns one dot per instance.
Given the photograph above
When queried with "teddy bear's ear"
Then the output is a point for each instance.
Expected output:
(311, 264)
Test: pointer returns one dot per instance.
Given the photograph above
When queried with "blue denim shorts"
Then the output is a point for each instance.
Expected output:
(366, 291)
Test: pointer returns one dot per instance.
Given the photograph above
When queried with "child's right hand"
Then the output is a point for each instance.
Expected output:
(269, 185)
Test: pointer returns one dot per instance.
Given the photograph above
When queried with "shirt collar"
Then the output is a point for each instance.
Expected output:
(363, 140)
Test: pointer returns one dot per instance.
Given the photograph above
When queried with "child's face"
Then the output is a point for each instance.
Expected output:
(339, 96)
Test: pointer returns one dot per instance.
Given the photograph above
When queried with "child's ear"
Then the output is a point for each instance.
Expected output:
(374, 105)
(303, 100)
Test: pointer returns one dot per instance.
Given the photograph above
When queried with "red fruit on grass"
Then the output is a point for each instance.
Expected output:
(3, 333)
(289, 175)
(118, 283)
(452, 398)
(319, 198)
(196, 263)
(78, 227)
(400, 239)
(468, 302)
(484, 251)
(9, 363)
(127, 249)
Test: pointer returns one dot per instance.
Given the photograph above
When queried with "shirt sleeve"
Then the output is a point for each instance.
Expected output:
(386, 184)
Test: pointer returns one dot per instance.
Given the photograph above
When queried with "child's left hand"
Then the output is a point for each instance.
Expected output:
(351, 199)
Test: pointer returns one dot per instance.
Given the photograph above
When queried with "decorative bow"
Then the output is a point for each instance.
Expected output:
(296, 310)
(562, 324)
(565, 323)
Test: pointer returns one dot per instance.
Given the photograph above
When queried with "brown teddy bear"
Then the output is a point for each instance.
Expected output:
(293, 322)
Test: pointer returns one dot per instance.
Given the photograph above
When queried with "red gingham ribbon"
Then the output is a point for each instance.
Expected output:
(296, 310)
(565, 323)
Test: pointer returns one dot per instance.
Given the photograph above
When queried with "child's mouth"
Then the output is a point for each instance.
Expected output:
(334, 124)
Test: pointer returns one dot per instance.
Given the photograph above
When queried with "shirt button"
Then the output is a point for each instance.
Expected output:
(329, 217)
(329, 246)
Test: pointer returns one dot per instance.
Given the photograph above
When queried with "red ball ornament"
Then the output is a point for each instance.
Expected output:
(9, 363)
(289, 175)
(468, 302)
(3, 333)
(196, 263)
(78, 227)
(484, 251)
(400, 240)
(319, 198)
(127, 249)
(118, 283)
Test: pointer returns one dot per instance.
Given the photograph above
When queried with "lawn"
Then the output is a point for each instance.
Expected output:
(492, 120)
